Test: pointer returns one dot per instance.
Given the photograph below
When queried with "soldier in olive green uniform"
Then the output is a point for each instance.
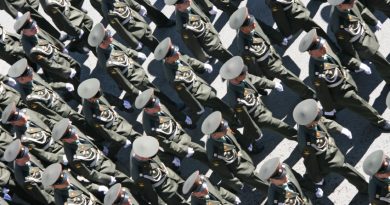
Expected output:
(203, 192)
(194, 91)
(34, 130)
(245, 89)
(153, 179)
(380, 5)
(284, 186)
(118, 195)
(349, 23)
(260, 56)
(101, 116)
(156, 15)
(67, 189)
(318, 148)
(125, 17)
(227, 157)
(28, 170)
(334, 85)
(73, 21)
(377, 166)
(197, 32)
(5, 139)
(8, 95)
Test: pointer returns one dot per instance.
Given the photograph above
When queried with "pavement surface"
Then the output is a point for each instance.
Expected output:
(366, 138)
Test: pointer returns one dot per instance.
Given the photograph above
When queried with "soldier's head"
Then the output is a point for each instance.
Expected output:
(145, 148)
(14, 116)
(180, 5)
(26, 24)
(273, 171)
(21, 71)
(307, 113)
(117, 195)
(377, 164)
(241, 19)
(215, 126)
(196, 184)
(167, 50)
(314, 44)
(100, 36)
(148, 101)
(234, 70)
(342, 5)
(65, 131)
(53, 176)
(90, 90)
(16, 151)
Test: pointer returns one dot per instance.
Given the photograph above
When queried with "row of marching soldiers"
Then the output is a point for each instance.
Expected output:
(54, 155)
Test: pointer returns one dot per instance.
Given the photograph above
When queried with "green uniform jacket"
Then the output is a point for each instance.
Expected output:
(13, 6)
(11, 50)
(8, 95)
(5, 140)
(221, 195)
(104, 54)
(378, 188)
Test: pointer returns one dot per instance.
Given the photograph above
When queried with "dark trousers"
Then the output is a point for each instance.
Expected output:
(381, 65)
(153, 13)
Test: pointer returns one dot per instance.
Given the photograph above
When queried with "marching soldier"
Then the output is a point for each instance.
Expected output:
(204, 192)
(73, 21)
(153, 179)
(381, 5)
(260, 56)
(349, 25)
(50, 55)
(40, 96)
(194, 91)
(227, 157)
(126, 17)
(284, 187)
(246, 89)
(107, 122)
(377, 166)
(128, 74)
(34, 131)
(318, 148)
(118, 195)
(28, 171)
(334, 85)
(197, 32)
(156, 15)
(67, 189)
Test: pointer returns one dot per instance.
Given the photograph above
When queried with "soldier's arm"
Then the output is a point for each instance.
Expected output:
(37, 106)
(51, 67)
(58, 85)
(110, 135)
(122, 81)
(197, 65)
(271, 35)
(227, 195)
(187, 97)
(124, 33)
(63, 22)
(309, 156)
(11, 10)
(134, 5)
(280, 18)
(47, 157)
(179, 21)
(250, 126)
(92, 174)
(173, 147)
(347, 48)
(350, 62)
(332, 126)
(367, 15)
(38, 194)
(321, 88)
(11, 49)
(261, 82)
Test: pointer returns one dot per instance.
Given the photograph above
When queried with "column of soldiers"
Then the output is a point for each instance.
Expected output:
(52, 153)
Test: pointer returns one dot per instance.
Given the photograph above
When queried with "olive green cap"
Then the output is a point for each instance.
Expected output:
(88, 88)
(8, 112)
(211, 123)
(162, 49)
(145, 146)
(60, 128)
(238, 18)
(335, 2)
(269, 168)
(189, 184)
(51, 174)
(18, 68)
(96, 36)
(144, 98)
(232, 68)
(20, 22)
(112, 194)
(305, 112)
(373, 162)
(12, 150)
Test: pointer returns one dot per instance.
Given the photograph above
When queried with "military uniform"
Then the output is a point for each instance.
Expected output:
(11, 49)
(156, 15)
(290, 192)
(151, 176)
(333, 83)
(5, 139)
(381, 5)
(356, 39)
(318, 148)
(118, 194)
(131, 27)
(8, 95)
(260, 56)
(199, 34)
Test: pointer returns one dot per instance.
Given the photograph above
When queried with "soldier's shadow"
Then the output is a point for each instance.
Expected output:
(313, 7)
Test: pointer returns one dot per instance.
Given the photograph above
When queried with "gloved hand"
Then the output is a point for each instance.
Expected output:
(65, 51)
(319, 192)
(112, 181)
(347, 133)
(378, 26)
(64, 160)
(6, 196)
(128, 143)
(237, 200)
(330, 113)
(69, 87)
(105, 150)
(213, 11)
(188, 120)
(278, 86)
(139, 46)
(18, 15)
(190, 152)
(103, 189)
(286, 39)
(81, 34)
(176, 162)
(141, 56)
(11, 82)
(143, 11)
(73, 72)
(364, 67)
(126, 104)
(208, 68)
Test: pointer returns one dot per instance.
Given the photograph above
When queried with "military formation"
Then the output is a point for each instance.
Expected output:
(62, 136)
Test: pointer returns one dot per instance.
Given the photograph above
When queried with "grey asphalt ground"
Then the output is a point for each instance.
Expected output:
(366, 138)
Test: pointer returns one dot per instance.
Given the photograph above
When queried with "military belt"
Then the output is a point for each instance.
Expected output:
(127, 20)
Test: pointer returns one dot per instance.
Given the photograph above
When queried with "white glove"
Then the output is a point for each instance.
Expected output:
(69, 87)
(286, 39)
(141, 56)
(190, 152)
(18, 15)
(176, 162)
(347, 133)
(112, 181)
(378, 26)
(64, 160)
(128, 143)
(208, 68)
(188, 120)
(126, 104)
(105, 150)
(143, 11)
(384, 199)
(213, 11)
(11, 82)
(319, 192)
(237, 200)
(279, 87)
(65, 51)
(139, 46)
(81, 33)
(331, 113)
(364, 67)
(103, 189)
(72, 73)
